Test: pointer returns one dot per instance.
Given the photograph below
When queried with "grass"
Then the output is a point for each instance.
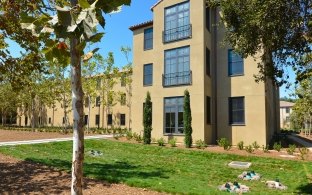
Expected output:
(170, 170)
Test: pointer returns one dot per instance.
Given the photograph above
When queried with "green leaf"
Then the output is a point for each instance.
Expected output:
(96, 38)
(81, 45)
(100, 18)
(84, 4)
(26, 19)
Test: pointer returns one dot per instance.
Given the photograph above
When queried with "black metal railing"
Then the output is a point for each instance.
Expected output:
(181, 32)
(178, 78)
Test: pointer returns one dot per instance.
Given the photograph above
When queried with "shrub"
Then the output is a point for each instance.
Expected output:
(291, 149)
(187, 118)
(147, 119)
(255, 145)
(161, 141)
(240, 145)
(249, 149)
(173, 142)
(129, 135)
(277, 146)
(200, 144)
(223, 142)
(265, 148)
(303, 153)
(137, 137)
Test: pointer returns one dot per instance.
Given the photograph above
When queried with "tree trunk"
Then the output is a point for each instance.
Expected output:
(33, 112)
(77, 105)
(53, 109)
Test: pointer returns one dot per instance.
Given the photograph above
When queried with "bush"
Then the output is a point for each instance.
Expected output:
(277, 146)
(129, 135)
(249, 149)
(291, 149)
(255, 145)
(303, 153)
(187, 120)
(147, 119)
(240, 145)
(161, 142)
(223, 142)
(265, 148)
(137, 137)
(200, 144)
(173, 142)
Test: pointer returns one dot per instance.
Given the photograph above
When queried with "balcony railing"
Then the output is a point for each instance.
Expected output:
(181, 32)
(178, 78)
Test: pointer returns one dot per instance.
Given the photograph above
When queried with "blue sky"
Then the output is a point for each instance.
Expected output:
(117, 33)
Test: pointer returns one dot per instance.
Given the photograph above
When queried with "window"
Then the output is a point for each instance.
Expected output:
(287, 119)
(236, 63)
(207, 62)
(148, 38)
(97, 119)
(63, 120)
(98, 83)
(86, 119)
(49, 120)
(122, 119)
(208, 109)
(151, 110)
(123, 81)
(177, 67)
(236, 110)
(174, 115)
(26, 121)
(123, 99)
(98, 101)
(177, 22)
(287, 110)
(39, 120)
(109, 119)
(148, 74)
(208, 23)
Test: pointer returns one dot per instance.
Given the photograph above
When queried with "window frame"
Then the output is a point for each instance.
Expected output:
(146, 75)
(123, 99)
(230, 64)
(97, 119)
(98, 101)
(230, 104)
(176, 115)
(208, 18)
(148, 39)
(208, 110)
(208, 62)
(109, 119)
(122, 119)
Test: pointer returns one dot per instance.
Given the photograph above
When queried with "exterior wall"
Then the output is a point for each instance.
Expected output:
(56, 115)
(284, 123)
(156, 56)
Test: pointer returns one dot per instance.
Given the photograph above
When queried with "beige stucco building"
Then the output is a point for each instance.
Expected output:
(181, 48)
(285, 111)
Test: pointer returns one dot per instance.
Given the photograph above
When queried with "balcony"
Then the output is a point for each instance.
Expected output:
(178, 78)
(181, 32)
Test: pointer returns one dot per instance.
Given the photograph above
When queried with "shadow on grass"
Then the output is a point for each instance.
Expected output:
(118, 172)
(305, 189)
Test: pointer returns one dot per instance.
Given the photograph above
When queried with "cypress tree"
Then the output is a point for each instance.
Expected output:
(147, 119)
(187, 120)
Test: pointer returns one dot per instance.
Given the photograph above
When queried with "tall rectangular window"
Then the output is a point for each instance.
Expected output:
(49, 120)
(148, 38)
(177, 22)
(174, 115)
(109, 119)
(97, 119)
(177, 67)
(86, 119)
(287, 110)
(236, 63)
(208, 109)
(208, 23)
(122, 119)
(123, 80)
(98, 101)
(207, 61)
(148, 74)
(123, 99)
(237, 110)
(86, 102)
(26, 121)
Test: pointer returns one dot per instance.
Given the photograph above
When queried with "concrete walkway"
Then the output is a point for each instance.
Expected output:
(40, 141)
(301, 141)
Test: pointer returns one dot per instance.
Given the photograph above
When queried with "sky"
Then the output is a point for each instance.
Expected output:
(117, 33)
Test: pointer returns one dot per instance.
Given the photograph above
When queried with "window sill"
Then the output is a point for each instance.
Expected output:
(147, 49)
(238, 124)
(174, 134)
(147, 85)
(236, 75)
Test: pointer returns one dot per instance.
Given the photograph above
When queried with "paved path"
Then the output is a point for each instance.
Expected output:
(40, 141)
(301, 141)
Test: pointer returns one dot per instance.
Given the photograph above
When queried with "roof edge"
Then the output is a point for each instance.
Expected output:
(141, 25)
(158, 2)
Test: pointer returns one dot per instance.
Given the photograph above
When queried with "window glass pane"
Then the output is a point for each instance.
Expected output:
(148, 74)
(236, 63)
(174, 115)
(237, 110)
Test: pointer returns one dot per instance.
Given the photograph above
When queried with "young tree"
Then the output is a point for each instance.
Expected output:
(53, 23)
(147, 119)
(280, 31)
(187, 120)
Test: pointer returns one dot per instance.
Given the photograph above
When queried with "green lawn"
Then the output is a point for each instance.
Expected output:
(168, 169)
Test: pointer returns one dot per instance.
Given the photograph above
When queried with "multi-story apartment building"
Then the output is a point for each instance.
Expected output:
(285, 111)
(181, 48)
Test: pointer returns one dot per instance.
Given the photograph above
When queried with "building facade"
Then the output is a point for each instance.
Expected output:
(285, 111)
(181, 48)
